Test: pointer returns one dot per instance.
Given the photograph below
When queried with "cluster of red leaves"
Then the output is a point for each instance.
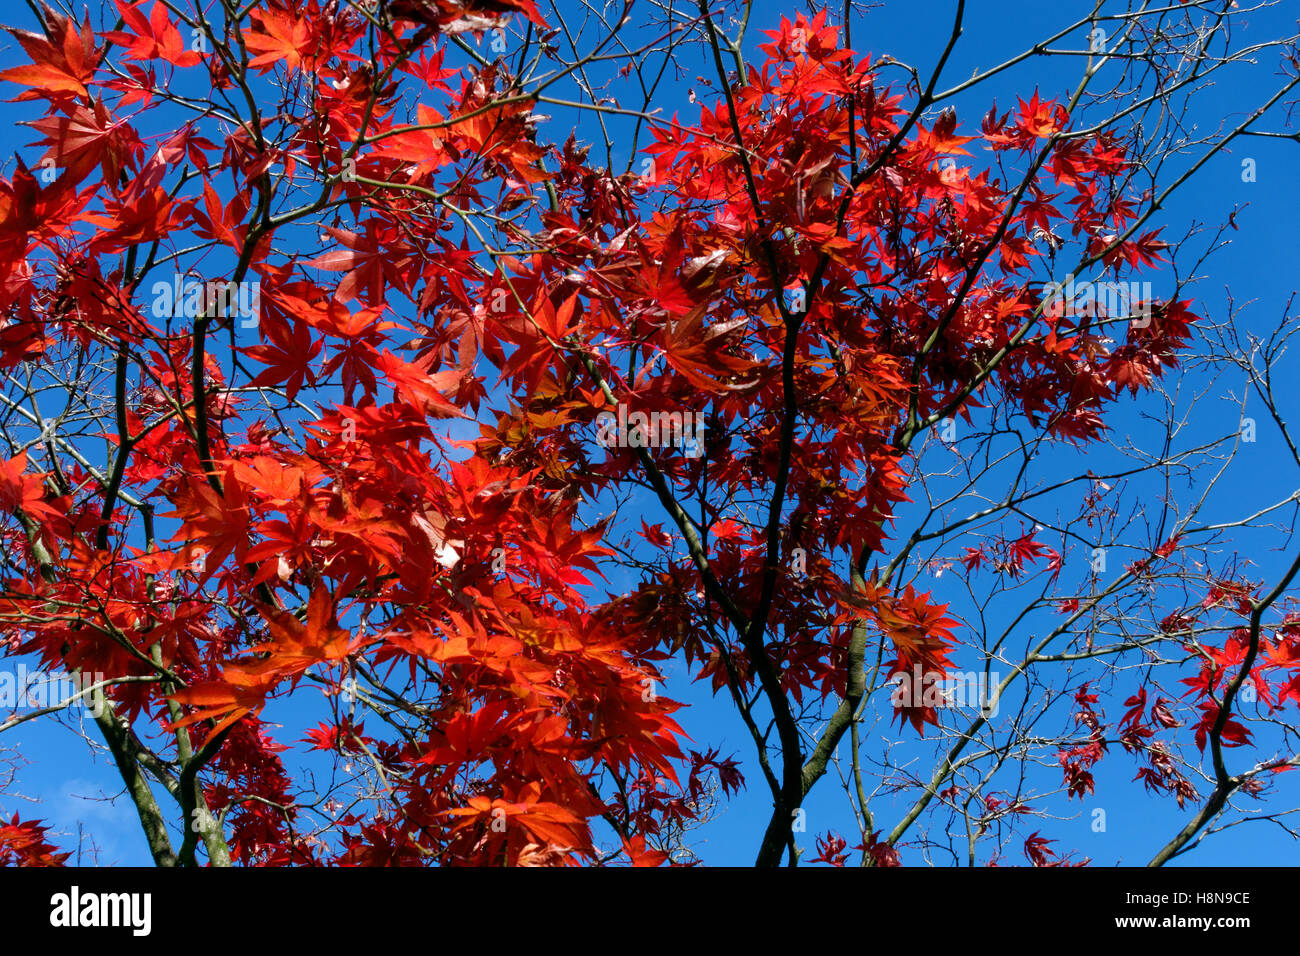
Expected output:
(1076, 761)
(1038, 853)
(22, 843)
(832, 850)
(1160, 774)
(1012, 556)
(359, 545)
(707, 287)
(1273, 679)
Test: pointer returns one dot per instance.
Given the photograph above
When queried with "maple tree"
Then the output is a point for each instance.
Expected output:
(308, 329)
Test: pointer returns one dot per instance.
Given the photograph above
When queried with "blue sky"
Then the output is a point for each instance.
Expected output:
(1257, 267)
